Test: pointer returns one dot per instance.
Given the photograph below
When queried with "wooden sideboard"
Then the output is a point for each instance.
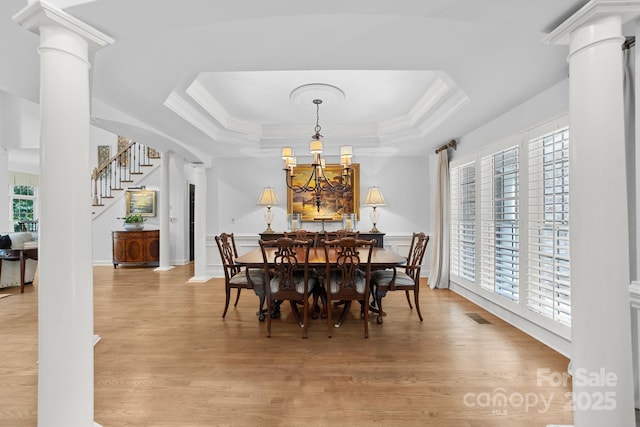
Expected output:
(379, 237)
(136, 247)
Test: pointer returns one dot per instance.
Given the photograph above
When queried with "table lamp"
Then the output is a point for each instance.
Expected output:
(374, 199)
(268, 198)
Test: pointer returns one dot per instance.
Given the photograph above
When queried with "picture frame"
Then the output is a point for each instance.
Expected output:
(141, 202)
(123, 143)
(153, 153)
(104, 155)
(333, 204)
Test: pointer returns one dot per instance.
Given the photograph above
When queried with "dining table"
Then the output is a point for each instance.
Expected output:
(380, 257)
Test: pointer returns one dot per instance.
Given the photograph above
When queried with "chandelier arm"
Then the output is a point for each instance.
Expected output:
(297, 188)
(337, 187)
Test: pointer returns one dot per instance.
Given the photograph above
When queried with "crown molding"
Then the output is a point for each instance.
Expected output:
(203, 97)
(198, 106)
(184, 109)
(451, 106)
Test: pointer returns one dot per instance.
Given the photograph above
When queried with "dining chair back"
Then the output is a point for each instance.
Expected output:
(236, 276)
(303, 235)
(287, 272)
(340, 234)
(347, 277)
(403, 278)
(317, 292)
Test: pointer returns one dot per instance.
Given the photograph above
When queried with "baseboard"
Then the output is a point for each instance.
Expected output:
(540, 333)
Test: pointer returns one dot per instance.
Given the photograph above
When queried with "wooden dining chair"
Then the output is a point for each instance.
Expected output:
(288, 277)
(403, 278)
(237, 277)
(304, 235)
(317, 291)
(347, 277)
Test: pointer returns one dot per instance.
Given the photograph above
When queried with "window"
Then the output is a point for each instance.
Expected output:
(510, 225)
(463, 221)
(23, 204)
(548, 255)
(500, 224)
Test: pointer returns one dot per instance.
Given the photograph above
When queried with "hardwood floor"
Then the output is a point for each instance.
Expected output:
(167, 358)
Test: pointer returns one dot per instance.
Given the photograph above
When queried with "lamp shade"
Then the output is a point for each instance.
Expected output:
(268, 197)
(287, 153)
(315, 146)
(374, 197)
(346, 150)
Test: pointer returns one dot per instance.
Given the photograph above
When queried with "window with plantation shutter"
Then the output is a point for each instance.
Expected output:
(463, 221)
(548, 287)
(510, 227)
(500, 229)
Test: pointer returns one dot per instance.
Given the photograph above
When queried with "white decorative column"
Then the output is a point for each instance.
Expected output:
(163, 213)
(200, 227)
(634, 288)
(65, 290)
(600, 315)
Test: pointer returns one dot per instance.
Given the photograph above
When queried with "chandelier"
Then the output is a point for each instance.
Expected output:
(317, 182)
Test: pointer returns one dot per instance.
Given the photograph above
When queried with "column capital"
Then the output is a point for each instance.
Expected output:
(591, 12)
(42, 12)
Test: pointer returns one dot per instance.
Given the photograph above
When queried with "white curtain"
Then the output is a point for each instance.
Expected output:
(439, 273)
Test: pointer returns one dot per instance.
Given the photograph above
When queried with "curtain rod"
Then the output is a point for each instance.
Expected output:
(630, 42)
(451, 144)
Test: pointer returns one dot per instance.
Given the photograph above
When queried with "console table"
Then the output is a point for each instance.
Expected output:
(136, 247)
(379, 237)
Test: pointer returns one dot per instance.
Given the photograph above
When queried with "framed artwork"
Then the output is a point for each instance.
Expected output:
(141, 202)
(104, 155)
(332, 204)
(152, 153)
(123, 143)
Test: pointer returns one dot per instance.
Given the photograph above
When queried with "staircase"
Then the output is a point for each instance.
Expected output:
(124, 170)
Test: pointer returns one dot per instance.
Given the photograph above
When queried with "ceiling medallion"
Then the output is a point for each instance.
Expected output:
(305, 95)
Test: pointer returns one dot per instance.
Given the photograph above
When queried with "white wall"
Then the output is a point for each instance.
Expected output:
(235, 184)
(542, 107)
(20, 122)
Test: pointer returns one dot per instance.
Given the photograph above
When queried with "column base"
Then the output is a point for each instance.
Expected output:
(199, 279)
(170, 267)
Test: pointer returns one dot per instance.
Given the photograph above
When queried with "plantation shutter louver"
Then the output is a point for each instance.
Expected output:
(548, 250)
(500, 224)
(463, 223)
